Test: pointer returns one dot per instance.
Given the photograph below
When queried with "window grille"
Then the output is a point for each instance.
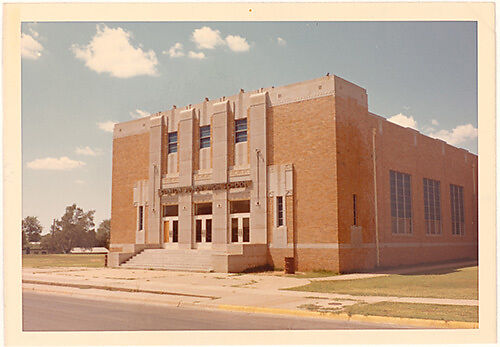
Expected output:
(457, 210)
(432, 206)
(401, 203)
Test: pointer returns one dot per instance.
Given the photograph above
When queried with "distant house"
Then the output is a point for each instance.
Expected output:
(34, 248)
(92, 250)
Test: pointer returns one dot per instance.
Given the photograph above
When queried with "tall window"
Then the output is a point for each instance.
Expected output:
(205, 136)
(141, 218)
(457, 209)
(432, 205)
(241, 130)
(279, 210)
(172, 142)
(400, 203)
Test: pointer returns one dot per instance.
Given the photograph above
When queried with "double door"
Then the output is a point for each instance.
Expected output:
(203, 229)
(240, 227)
(170, 230)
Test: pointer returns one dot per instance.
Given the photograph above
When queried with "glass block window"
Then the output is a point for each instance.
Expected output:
(457, 210)
(240, 130)
(432, 206)
(401, 216)
(205, 136)
(279, 210)
(172, 142)
(141, 218)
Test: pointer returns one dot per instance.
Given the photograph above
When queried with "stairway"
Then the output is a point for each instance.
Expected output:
(199, 260)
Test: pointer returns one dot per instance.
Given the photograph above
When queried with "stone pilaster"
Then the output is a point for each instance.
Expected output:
(220, 171)
(258, 168)
(154, 183)
(185, 152)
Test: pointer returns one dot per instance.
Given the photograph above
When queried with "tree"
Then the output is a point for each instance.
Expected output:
(32, 229)
(74, 229)
(103, 232)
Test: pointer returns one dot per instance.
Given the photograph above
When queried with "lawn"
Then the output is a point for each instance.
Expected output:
(423, 311)
(63, 260)
(453, 284)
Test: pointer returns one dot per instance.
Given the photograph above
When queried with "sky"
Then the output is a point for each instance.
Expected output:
(78, 79)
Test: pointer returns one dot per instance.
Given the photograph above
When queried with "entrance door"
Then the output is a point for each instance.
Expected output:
(203, 229)
(170, 229)
(240, 227)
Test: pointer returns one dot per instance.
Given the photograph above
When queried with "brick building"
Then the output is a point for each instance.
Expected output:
(303, 171)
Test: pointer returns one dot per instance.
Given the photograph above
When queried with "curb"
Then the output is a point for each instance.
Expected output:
(356, 317)
(256, 309)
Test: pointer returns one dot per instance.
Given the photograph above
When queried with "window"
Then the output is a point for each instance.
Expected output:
(354, 209)
(279, 210)
(432, 205)
(239, 206)
(141, 218)
(172, 142)
(205, 136)
(203, 208)
(241, 130)
(400, 203)
(170, 210)
(457, 209)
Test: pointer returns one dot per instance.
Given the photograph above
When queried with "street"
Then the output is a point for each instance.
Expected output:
(47, 312)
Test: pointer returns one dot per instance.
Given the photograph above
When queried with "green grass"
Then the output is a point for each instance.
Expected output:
(454, 284)
(422, 311)
(63, 260)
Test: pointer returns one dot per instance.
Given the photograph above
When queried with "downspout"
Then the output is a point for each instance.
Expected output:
(374, 156)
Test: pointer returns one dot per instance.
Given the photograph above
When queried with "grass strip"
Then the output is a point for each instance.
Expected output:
(452, 284)
(458, 313)
(63, 260)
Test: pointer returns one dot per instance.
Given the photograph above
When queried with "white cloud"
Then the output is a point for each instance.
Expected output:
(79, 182)
(281, 41)
(237, 43)
(62, 163)
(457, 135)
(434, 122)
(110, 51)
(107, 126)
(175, 51)
(404, 121)
(139, 113)
(194, 55)
(30, 48)
(206, 38)
(88, 151)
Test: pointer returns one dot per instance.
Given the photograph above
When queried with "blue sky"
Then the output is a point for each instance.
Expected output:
(79, 78)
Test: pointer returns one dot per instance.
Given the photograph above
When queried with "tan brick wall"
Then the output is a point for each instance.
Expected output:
(130, 164)
(396, 150)
(355, 176)
(303, 133)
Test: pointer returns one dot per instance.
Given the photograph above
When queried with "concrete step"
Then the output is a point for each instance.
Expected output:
(172, 259)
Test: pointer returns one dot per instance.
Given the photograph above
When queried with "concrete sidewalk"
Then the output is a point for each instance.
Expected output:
(206, 289)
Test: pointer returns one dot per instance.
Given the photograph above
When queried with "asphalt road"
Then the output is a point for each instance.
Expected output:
(46, 312)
